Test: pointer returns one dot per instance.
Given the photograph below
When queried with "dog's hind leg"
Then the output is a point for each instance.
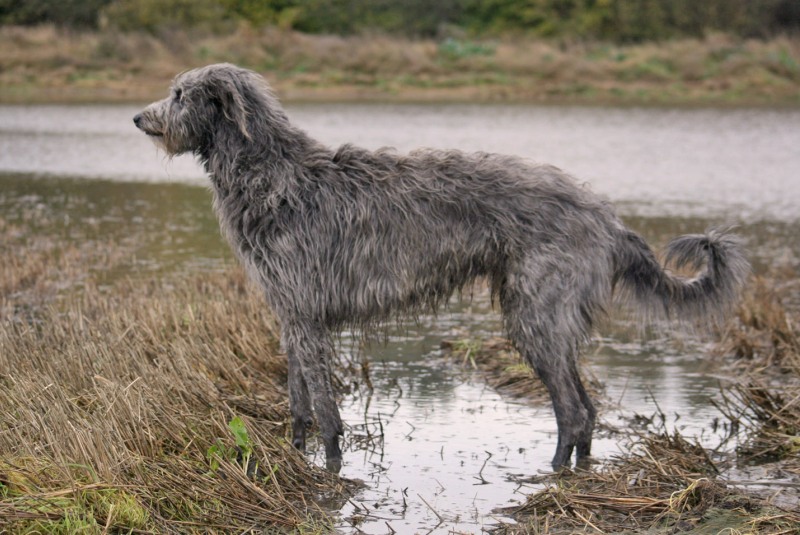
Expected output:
(583, 446)
(299, 402)
(574, 413)
(547, 329)
(311, 347)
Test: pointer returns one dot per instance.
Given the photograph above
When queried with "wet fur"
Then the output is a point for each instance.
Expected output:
(349, 238)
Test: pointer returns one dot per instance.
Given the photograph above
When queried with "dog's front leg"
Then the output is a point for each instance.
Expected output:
(310, 350)
(299, 402)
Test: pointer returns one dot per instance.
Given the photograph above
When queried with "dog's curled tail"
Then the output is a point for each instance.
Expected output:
(717, 258)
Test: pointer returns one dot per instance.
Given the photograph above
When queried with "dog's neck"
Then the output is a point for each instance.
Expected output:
(234, 160)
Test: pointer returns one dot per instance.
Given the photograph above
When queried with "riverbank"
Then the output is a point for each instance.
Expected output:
(45, 64)
(112, 276)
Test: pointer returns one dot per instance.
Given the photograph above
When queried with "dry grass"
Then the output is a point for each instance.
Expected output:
(663, 484)
(116, 403)
(45, 63)
(764, 343)
(38, 266)
(764, 335)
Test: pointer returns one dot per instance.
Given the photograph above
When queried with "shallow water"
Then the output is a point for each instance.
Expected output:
(437, 449)
(440, 451)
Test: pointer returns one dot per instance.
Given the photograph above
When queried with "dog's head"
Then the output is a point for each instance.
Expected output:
(203, 104)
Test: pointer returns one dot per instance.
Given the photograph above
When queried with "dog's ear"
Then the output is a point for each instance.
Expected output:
(230, 95)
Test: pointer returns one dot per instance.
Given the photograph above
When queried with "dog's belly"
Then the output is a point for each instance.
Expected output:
(376, 293)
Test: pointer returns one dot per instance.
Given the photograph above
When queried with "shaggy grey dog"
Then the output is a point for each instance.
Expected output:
(349, 238)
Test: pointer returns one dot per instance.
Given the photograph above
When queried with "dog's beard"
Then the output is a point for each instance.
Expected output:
(158, 141)
(163, 141)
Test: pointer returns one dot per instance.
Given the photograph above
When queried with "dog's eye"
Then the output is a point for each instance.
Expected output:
(178, 94)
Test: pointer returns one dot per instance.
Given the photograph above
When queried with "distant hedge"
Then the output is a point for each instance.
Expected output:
(614, 20)
(73, 13)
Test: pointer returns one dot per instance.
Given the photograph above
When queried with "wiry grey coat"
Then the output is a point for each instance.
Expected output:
(348, 238)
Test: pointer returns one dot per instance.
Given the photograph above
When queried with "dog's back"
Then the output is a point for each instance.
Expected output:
(376, 233)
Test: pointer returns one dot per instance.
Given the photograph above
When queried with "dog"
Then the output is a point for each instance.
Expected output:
(349, 238)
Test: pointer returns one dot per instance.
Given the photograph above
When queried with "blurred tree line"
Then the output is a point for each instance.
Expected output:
(615, 20)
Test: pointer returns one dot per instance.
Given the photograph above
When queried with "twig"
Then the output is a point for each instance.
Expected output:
(587, 521)
(109, 519)
(408, 435)
(480, 473)
(440, 517)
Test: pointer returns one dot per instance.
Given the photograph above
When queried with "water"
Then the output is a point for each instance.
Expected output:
(437, 449)
(722, 163)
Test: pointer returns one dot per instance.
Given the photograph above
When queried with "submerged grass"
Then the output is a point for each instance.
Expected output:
(45, 63)
(152, 406)
(499, 363)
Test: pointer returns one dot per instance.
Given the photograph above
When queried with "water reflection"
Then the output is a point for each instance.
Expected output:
(451, 450)
(167, 226)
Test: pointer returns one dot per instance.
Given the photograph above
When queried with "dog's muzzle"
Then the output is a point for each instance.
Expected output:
(138, 120)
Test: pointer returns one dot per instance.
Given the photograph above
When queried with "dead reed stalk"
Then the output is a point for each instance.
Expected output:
(764, 342)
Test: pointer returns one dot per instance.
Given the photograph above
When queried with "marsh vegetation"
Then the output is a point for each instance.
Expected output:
(153, 407)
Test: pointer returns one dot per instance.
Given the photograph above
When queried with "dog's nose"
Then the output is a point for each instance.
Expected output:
(137, 119)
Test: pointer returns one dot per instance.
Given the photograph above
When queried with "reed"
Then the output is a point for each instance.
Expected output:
(764, 346)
